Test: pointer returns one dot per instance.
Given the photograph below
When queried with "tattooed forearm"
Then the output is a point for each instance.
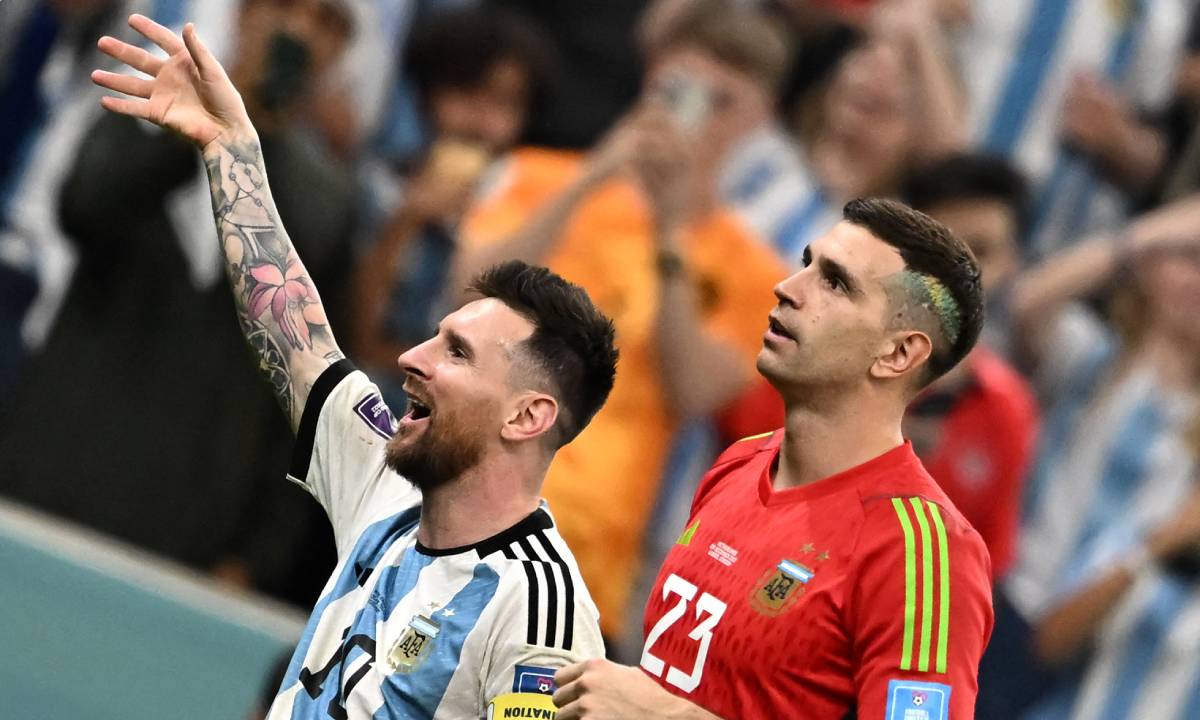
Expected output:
(271, 362)
(278, 306)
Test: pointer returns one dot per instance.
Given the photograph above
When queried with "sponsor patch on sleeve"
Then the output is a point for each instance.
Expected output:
(533, 679)
(522, 705)
(376, 415)
(913, 700)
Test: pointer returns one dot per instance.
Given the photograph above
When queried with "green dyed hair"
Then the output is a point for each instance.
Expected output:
(941, 274)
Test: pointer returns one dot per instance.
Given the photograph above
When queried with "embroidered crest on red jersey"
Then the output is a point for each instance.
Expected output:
(779, 588)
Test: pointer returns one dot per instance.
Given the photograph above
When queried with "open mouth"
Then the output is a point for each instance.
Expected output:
(417, 409)
(776, 328)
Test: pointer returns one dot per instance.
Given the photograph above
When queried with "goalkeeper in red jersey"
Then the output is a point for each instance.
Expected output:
(823, 574)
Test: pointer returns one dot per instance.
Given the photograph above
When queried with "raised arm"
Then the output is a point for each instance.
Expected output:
(1089, 266)
(701, 371)
(278, 307)
(1067, 629)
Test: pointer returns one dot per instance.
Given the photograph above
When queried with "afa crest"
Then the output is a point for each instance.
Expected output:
(414, 645)
(780, 587)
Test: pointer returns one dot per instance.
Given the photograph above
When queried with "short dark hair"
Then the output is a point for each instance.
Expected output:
(737, 34)
(457, 48)
(948, 269)
(969, 176)
(572, 344)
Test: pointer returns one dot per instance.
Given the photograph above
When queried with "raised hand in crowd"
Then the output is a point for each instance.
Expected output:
(1098, 121)
(1072, 624)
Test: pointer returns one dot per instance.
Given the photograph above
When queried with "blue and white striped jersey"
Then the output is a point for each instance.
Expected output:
(1146, 660)
(406, 631)
(1018, 58)
(769, 185)
(1112, 455)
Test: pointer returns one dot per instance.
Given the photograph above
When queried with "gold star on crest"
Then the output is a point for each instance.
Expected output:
(808, 547)
(823, 556)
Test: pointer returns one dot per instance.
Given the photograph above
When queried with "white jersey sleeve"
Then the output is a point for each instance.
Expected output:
(340, 453)
(544, 620)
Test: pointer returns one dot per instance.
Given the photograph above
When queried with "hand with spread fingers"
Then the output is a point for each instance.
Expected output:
(187, 92)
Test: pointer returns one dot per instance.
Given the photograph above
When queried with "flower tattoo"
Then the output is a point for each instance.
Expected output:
(291, 297)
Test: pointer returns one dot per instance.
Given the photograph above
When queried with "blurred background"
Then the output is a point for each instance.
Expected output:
(155, 562)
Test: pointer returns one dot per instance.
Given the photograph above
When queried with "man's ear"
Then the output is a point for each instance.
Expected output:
(533, 415)
(902, 354)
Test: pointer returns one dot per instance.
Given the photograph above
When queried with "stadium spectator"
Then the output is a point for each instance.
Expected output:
(598, 66)
(985, 200)
(38, 38)
(147, 320)
(1180, 123)
(478, 107)
(1059, 87)
(46, 106)
(975, 427)
(1133, 623)
(638, 224)
(1118, 398)
(892, 102)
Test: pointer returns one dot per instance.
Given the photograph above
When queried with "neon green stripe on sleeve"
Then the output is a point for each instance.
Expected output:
(910, 583)
(944, 587)
(926, 584)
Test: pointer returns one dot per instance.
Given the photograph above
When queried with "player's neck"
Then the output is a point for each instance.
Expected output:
(473, 507)
(822, 442)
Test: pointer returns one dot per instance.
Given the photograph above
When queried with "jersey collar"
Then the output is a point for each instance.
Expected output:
(537, 520)
(888, 464)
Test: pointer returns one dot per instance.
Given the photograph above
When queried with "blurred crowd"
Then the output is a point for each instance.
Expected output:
(411, 143)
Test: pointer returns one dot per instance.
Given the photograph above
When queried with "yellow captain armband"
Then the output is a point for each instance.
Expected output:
(522, 705)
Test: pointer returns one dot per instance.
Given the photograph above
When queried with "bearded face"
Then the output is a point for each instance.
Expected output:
(458, 393)
(431, 448)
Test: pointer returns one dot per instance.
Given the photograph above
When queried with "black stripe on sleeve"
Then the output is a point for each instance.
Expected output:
(306, 434)
(568, 590)
(551, 592)
(532, 626)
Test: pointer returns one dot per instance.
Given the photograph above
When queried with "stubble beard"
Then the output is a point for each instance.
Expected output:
(445, 451)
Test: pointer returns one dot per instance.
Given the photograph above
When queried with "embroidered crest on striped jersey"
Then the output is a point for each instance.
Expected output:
(414, 644)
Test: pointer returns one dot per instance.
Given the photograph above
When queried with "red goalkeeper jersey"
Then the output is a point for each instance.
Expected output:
(865, 595)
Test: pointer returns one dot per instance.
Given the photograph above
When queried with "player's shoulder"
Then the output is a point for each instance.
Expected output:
(747, 448)
(919, 529)
(344, 415)
(343, 393)
(540, 580)
(745, 455)
(909, 504)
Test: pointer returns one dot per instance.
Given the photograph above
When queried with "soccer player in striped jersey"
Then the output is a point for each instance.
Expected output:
(823, 574)
(464, 605)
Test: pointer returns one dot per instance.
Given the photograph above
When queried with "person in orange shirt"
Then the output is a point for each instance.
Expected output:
(638, 224)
